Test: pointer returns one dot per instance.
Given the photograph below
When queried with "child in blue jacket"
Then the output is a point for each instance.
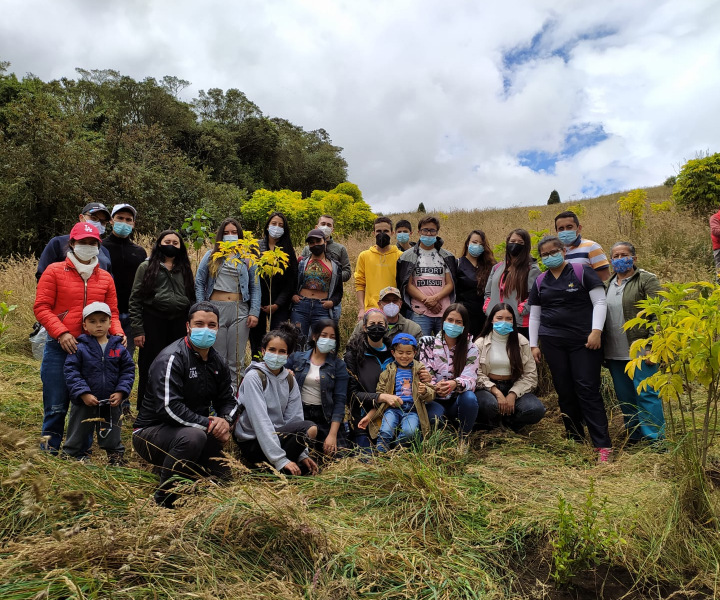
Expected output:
(99, 376)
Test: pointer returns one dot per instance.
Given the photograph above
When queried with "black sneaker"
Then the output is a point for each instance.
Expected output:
(116, 460)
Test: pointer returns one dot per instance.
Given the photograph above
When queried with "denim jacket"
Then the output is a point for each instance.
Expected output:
(333, 382)
(248, 284)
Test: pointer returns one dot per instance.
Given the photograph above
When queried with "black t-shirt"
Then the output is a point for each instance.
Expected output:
(565, 302)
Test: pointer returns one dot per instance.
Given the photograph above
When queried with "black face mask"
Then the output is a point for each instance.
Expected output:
(376, 332)
(318, 249)
(515, 249)
(169, 251)
(382, 240)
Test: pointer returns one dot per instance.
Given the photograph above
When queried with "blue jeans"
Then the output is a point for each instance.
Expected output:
(308, 312)
(643, 412)
(56, 398)
(337, 313)
(429, 325)
(462, 408)
(393, 419)
(127, 330)
(528, 409)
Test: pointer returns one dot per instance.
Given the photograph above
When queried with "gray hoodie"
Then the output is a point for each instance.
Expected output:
(266, 410)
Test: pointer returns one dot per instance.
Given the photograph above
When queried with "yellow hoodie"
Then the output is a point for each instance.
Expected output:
(375, 271)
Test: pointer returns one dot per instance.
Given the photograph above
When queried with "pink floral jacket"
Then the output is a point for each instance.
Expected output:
(438, 358)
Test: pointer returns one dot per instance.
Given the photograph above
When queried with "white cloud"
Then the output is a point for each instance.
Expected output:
(413, 90)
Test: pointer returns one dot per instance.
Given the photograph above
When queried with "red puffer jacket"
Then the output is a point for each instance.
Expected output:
(62, 294)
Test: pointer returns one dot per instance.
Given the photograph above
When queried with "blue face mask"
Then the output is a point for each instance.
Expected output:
(622, 265)
(325, 345)
(452, 330)
(476, 249)
(568, 236)
(428, 240)
(97, 225)
(230, 238)
(122, 229)
(503, 328)
(554, 260)
(274, 361)
(403, 238)
(202, 337)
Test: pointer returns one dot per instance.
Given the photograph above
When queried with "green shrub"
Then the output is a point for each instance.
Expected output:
(554, 197)
(698, 185)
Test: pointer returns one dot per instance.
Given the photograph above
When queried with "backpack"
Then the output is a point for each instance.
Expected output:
(579, 273)
(263, 380)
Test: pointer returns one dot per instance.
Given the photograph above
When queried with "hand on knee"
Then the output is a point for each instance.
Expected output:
(312, 432)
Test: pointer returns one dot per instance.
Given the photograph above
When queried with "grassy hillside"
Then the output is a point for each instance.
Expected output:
(436, 523)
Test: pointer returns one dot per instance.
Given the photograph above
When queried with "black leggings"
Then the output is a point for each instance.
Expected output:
(293, 439)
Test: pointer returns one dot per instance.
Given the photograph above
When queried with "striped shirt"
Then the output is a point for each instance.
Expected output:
(587, 252)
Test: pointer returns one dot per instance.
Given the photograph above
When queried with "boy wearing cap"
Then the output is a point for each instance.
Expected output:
(99, 376)
(125, 257)
(399, 420)
(94, 213)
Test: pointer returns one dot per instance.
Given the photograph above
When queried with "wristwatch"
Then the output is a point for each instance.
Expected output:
(228, 419)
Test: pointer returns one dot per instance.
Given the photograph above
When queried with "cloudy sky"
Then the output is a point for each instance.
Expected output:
(456, 103)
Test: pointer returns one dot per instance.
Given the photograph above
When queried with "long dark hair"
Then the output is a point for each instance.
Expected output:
(181, 264)
(513, 343)
(461, 344)
(215, 265)
(285, 242)
(485, 261)
(517, 267)
(317, 329)
(358, 341)
(286, 332)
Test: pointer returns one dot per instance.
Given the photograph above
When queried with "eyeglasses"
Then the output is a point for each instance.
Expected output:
(549, 254)
(428, 231)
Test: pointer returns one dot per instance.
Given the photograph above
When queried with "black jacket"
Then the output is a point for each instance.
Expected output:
(125, 257)
(283, 284)
(182, 387)
(364, 375)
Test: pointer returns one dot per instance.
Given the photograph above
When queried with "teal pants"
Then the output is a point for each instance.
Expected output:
(643, 412)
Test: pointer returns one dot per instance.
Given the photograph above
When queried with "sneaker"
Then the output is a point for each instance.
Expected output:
(605, 455)
(116, 460)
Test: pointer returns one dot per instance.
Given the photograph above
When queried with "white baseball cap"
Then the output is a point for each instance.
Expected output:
(94, 307)
(118, 207)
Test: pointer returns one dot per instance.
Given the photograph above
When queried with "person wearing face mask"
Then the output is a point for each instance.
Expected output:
(390, 304)
(403, 231)
(567, 315)
(234, 288)
(473, 271)
(319, 286)
(452, 361)
(579, 250)
(511, 280)
(507, 375)
(323, 380)
(174, 429)
(276, 291)
(162, 292)
(377, 267)
(56, 249)
(333, 249)
(642, 411)
(63, 292)
(271, 427)
(125, 257)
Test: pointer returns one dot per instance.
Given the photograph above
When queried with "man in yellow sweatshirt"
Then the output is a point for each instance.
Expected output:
(376, 267)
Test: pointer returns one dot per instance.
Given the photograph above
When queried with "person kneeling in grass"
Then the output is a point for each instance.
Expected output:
(398, 421)
(99, 376)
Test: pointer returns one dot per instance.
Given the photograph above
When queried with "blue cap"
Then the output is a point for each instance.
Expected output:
(404, 338)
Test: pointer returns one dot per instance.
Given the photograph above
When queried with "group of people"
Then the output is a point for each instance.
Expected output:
(439, 340)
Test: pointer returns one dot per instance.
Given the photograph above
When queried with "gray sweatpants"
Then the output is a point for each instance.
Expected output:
(79, 432)
(232, 336)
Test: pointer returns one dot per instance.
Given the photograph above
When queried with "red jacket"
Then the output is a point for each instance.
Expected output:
(715, 230)
(62, 294)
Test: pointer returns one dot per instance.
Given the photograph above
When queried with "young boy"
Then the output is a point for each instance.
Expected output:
(579, 249)
(403, 231)
(406, 412)
(99, 376)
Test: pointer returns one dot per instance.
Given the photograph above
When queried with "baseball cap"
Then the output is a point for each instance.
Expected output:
(95, 307)
(118, 207)
(94, 207)
(404, 338)
(315, 233)
(83, 230)
(386, 291)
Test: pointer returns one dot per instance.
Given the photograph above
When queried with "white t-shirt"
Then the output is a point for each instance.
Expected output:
(311, 387)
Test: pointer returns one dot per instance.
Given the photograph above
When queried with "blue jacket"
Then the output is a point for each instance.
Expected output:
(56, 251)
(248, 284)
(90, 370)
(333, 382)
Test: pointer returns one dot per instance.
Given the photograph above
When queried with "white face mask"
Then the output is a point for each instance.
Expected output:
(326, 230)
(391, 310)
(86, 253)
(275, 232)
(96, 224)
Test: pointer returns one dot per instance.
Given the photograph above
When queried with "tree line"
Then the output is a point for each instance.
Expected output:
(108, 138)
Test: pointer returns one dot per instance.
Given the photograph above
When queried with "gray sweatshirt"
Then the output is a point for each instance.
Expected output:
(266, 410)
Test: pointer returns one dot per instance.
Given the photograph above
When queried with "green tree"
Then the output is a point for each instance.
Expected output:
(698, 185)
(554, 197)
(421, 208)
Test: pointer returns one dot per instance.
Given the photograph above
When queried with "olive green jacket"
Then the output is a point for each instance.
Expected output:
(640, 286)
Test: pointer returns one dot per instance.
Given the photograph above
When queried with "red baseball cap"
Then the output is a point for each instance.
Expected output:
(80, 231)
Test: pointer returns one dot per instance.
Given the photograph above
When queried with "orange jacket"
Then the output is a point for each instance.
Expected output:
(62, 294)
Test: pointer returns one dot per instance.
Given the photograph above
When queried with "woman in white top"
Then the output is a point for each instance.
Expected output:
(507, 375)
(323, 380)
